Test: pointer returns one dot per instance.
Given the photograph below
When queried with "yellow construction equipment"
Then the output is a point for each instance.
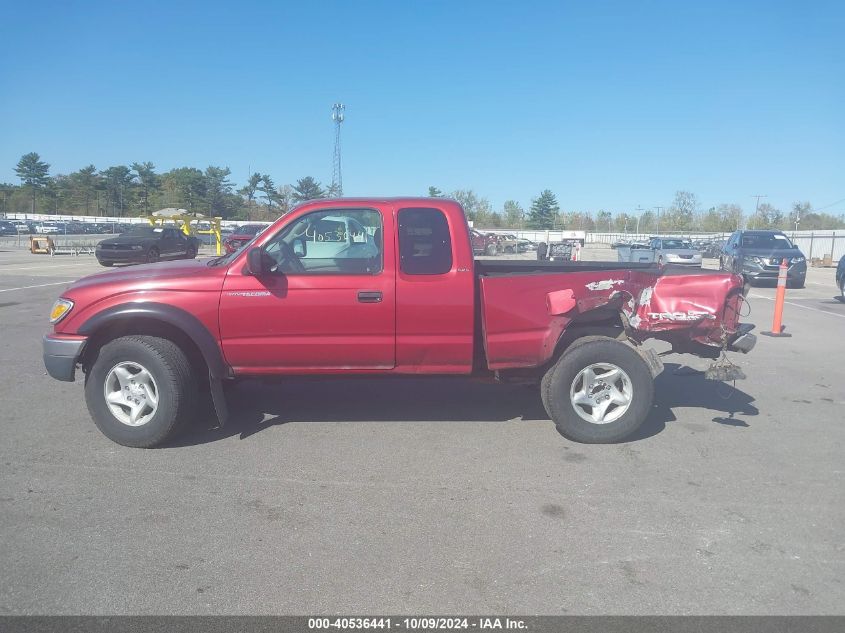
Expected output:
(189, 225)
(40, 245)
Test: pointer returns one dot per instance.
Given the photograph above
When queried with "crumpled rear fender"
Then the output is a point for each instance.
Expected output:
(697, 307)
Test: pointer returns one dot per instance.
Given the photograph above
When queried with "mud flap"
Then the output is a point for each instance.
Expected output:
(651, 359)
(219, 400)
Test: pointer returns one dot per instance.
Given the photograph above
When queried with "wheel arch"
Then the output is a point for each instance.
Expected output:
(155, 319)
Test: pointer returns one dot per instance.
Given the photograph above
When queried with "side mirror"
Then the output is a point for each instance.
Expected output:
(255, 262)
(299, 248)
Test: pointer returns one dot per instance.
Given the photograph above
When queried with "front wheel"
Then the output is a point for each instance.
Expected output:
(599, 391)
(153, 255)
(191, 252)
(490, 249)
(140, 390)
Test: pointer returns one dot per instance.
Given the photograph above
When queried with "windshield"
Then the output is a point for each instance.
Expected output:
(770, 241)
(249, 229)
(142, 231)
(676, 244)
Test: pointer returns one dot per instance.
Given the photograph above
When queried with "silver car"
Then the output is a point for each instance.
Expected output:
(675, 251)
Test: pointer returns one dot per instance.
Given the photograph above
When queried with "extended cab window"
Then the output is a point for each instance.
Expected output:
(425, 246)
(337, 241)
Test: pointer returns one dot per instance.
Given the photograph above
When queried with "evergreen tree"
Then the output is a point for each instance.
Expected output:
(543, 211)
(34, 174)
(307, 189)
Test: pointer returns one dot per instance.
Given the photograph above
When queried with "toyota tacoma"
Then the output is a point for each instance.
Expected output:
(377, 287)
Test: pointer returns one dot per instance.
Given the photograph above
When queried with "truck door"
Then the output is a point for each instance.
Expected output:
(435, 290)
(327, 302)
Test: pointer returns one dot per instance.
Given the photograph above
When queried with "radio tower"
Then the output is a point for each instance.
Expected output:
(337, 176)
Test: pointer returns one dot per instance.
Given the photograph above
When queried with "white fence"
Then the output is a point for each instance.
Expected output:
(814, 244)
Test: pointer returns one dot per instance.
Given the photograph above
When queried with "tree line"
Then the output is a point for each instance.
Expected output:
(684, 215)
(138, 189)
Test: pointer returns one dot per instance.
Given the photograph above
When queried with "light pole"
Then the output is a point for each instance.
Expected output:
(639, 215)
(659, 209)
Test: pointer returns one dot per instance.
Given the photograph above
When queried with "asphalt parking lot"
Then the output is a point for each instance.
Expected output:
(431, 496)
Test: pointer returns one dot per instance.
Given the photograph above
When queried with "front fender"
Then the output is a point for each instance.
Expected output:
(176, 317)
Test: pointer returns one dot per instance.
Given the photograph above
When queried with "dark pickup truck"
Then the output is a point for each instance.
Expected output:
(378, 287)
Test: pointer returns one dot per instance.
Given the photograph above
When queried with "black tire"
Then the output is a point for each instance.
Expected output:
(509, 250)
(796, 285)
(842, 290)
(558, 381)
(191, 253)
(107, 264)
(490, 249)
(177, 391)
(153, 255)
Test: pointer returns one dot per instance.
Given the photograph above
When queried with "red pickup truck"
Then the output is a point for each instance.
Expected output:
(379, 287)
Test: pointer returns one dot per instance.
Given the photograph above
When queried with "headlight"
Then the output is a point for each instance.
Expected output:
(60, 309)
(137, 247)
(797, 260)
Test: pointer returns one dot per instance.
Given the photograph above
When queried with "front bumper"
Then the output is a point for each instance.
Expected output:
(117, 257)
(61, 354)
(755, 271)
(689, 263)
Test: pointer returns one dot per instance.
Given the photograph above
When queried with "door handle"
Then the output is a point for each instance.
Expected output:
(369, 296)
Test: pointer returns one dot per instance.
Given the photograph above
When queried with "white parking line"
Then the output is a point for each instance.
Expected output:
(798, 305)
(48, 266)
(57, 283)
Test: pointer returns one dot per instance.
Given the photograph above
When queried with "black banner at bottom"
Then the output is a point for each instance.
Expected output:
(423, 624)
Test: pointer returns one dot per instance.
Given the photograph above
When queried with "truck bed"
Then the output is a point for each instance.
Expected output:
(526, 306)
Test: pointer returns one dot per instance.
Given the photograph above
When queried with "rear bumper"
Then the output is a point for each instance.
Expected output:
(743, 341)
(61, 355)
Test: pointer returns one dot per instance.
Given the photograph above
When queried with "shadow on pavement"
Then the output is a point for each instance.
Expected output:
(255, 405)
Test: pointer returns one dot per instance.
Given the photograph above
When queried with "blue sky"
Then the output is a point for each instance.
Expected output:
(608, 104)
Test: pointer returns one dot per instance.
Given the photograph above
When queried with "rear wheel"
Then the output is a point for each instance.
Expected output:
(191, 252)
(842, 290)
(140, 390)
(599, 391)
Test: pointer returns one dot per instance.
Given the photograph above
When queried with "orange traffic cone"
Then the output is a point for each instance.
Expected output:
(777, 325)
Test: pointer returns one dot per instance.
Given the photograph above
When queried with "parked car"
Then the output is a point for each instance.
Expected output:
(483, 243)
(413, 303)
(664, 251)
(511, 243)
(241, 236)
(49, 228)
(757, 256)
(840, 278)
(7, 228)
(675, 251)
(146, 244)
(714, 249)
(22, 226)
